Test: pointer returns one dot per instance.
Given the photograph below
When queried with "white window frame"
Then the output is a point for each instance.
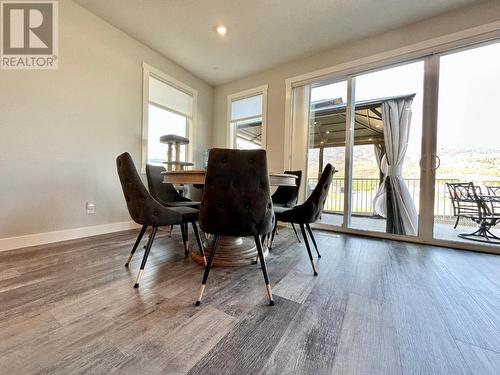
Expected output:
(261, 90)
(150, 71)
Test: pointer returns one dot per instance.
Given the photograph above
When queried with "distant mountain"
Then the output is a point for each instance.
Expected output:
(462, 163)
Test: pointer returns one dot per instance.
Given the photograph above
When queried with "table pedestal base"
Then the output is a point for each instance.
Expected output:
(231, 251)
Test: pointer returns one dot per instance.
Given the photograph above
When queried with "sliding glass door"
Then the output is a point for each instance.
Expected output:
(327, 145)
(416, 146)
(383, 96)
(386, 150)
(468, 146)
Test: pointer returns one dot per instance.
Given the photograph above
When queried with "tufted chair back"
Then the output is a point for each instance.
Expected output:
(315, 203)
(143, 208)
(287, 196)
(310, 211)
(236, 198)
(163, 193)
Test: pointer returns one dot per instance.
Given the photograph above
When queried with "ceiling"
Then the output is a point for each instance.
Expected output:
(261, 33)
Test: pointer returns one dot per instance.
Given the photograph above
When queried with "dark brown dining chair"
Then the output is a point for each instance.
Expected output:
(147, 211)
(236, 202)
(286, 197)
(165, 193)
(309, 211)
(168, 196)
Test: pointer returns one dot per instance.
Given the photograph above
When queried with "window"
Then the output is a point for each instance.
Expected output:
(169, 107)
(247, 119)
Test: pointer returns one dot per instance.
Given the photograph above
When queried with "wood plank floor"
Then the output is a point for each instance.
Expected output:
(377, 307)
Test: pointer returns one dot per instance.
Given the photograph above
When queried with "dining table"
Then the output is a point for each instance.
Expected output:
(231, 251)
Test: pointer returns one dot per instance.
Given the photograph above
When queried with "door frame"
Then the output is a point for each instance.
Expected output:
(430, 55)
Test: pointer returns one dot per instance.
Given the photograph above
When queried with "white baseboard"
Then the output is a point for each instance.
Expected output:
(11, 243)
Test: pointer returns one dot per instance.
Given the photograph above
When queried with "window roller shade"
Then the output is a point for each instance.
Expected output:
(247, 107)
(170, 97)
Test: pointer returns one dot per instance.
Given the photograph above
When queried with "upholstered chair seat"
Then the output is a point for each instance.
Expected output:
(286, 197)
(168, 196)
(147, 211)
(165, 193)
(190, 203)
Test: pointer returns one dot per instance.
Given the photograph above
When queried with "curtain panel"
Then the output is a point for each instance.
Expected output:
(393, 199)
(299, 135)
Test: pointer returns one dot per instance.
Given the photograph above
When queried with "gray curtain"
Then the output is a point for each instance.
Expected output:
(380, 200)
(393, 194)
(379, 150)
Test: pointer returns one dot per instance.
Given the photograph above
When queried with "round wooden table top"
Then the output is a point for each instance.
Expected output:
(197, 176)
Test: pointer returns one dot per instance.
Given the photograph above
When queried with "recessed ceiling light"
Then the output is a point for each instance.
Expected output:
(221, 30)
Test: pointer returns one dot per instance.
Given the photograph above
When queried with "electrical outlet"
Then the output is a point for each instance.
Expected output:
(90, 208)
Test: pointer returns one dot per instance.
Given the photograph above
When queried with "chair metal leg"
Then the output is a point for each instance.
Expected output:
(296, 234)
(313, 239)
(275, 229)
(265, 244)
(146, 244)
(145, 258)
(482, 234)
(207, 269)
(264, 269)
(170, 231)
(198, 239)
(137, 241)
(184, 230)
(304, 236)
(456, 222)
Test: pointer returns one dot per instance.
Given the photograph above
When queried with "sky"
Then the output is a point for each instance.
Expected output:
(469, 93)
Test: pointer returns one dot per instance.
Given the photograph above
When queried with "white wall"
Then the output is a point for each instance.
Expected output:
(61, 130)
(275, 78)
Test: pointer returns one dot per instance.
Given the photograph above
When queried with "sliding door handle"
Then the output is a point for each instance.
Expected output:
(438, 164)
(435, 163)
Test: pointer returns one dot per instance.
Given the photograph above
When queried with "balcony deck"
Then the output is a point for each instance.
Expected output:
(442, 231)
(364, 191)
